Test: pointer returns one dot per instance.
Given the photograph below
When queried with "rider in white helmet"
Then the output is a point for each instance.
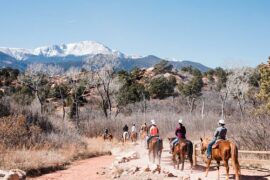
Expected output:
(220, 133)
(153, 132)
(180, 133)
(133, 128)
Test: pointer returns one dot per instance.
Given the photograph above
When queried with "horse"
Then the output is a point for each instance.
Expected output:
(182, 149)
(143, 133)
(125, 136)
(155, 147)
(223, 151)
(133, 136)
(107, 136)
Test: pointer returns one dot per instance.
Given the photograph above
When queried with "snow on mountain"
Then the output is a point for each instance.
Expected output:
(76, 49)
(17, 53)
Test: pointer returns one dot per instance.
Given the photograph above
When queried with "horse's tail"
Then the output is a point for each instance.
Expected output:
(160, 144)
(234, 156)
(190, 153)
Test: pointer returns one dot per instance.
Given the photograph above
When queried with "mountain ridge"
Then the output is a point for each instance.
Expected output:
(74, 54)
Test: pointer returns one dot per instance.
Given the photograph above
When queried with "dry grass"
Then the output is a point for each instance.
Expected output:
(36, 162)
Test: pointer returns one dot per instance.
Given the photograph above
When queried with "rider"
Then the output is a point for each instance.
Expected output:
(154, 132)
(106, 132)
(220, 134)
(180, 133)
(133, 128)
(125, 128)
(144, 127)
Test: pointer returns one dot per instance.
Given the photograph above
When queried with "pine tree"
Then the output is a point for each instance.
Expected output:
(264, 93)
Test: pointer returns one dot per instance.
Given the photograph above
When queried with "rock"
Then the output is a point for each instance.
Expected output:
(116, 171)
(186, 177)
(129, 156)
(157, 170)
(171, 175)
(12, 176)
(147, 169)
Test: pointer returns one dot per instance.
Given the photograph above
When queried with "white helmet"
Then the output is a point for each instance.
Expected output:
(180, 121)
(153, 121)
(221, 121)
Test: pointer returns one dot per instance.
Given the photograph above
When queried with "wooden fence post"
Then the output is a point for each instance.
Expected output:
(194, 155)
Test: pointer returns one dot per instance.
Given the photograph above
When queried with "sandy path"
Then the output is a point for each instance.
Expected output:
(82, 170)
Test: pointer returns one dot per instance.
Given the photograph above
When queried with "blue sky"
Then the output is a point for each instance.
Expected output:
(215, 33)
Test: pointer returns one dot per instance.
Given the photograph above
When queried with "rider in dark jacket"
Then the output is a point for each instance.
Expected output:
(180, 133)
(125, 128)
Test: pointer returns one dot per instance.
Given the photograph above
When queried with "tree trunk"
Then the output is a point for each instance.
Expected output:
(39, 99)
(63, 104)
(223, 100)
(191, 102)
(240, 107)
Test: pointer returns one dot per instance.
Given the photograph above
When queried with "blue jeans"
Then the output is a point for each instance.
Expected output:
(174, 142)
(209, 148)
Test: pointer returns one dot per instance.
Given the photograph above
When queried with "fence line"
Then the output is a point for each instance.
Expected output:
(195, 155)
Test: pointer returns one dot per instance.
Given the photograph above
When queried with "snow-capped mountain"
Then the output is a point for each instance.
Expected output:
(75, 54)
(17, 53)
(75, 49)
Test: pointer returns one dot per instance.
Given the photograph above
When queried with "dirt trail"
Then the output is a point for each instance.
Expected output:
(106, 166)
(81, 170)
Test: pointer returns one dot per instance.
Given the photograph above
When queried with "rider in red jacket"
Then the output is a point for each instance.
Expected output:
(154, 132)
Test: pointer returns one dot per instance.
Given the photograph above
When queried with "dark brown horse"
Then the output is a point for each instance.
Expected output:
(182, 150)
(222, 152)
(155, 148)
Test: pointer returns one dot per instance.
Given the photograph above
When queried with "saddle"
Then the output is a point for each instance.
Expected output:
(216, 145)
(155, 139)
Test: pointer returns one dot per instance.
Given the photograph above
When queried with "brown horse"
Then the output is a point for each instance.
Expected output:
(143, 135)
(223, 152)
(182, 149)
(133, 136)
(107, 136)
(155, 147)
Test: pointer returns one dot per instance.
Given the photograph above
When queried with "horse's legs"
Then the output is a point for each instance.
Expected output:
(207, 167)
(154, 154)
(190, 160)
(178, 161)
(227, 169)
(218, 165)
(183, 160)
(149, 155)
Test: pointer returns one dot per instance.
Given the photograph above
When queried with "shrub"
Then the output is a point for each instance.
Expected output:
(15, 132)
(24, 95)
(132, 93)
(161, 88)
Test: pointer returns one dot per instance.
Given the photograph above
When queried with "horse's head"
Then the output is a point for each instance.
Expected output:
(204, 144)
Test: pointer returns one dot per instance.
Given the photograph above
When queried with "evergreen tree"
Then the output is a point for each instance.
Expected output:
(264, 93)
